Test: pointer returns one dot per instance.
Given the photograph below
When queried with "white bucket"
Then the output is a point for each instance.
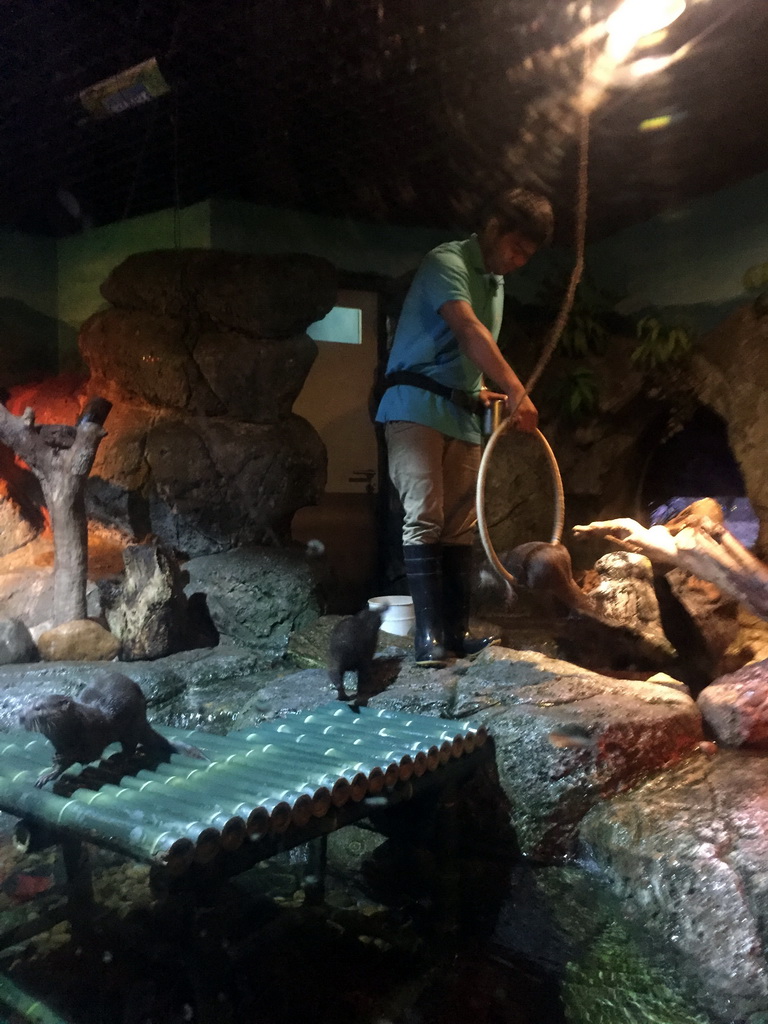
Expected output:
(398, 618)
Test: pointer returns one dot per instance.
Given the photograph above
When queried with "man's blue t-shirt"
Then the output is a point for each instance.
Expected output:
(424, 343)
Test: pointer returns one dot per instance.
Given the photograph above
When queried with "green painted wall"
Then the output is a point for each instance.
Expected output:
(349, 245)
(691, 259)
(28, 328)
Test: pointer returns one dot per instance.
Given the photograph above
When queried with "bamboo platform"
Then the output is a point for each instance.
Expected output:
(264, 789)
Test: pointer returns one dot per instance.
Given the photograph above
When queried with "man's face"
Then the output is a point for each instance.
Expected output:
(505, 252)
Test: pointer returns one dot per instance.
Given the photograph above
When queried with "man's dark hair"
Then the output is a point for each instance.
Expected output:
(521, 211)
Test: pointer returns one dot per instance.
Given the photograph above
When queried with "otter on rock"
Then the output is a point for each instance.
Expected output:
(352, 646)
(111, 709)
(545, 568)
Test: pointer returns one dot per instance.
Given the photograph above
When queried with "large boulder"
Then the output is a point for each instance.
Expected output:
(268, 296)
(78, 640)
(138, 355)
(565, 738)
(143, 356)
(687, 851)
(205, 484)
(257, 596)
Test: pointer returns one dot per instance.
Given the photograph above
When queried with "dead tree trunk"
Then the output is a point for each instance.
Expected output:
(61, 458)
(697, 542)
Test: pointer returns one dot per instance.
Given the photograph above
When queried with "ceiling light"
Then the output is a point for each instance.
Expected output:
(659, 121)
(649, 65)
(635, 19)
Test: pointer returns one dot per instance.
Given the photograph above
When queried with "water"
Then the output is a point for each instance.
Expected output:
(385, 946)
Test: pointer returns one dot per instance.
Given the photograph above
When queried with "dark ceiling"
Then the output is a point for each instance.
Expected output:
(397, 111)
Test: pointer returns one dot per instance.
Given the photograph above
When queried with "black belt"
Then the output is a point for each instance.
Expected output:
(470, 403)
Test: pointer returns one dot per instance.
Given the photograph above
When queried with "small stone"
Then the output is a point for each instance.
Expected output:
(16, 643)
(79, 640)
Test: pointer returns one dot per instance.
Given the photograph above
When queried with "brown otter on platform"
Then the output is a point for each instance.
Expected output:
(111, 709)
(352, 646)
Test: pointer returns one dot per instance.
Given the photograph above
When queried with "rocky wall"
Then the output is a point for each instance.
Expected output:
(202, 354)
(730, 373)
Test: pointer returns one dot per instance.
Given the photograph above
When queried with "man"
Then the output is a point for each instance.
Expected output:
(445, 342)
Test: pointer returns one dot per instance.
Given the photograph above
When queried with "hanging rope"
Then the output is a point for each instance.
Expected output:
(549, 347)
(176, 187)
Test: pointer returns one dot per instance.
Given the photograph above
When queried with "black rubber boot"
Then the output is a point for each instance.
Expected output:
(457, 593)
(423, 567)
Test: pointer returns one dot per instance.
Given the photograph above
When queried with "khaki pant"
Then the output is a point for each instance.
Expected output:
(435, 477)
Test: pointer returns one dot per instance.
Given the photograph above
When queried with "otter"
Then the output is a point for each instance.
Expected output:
(545, 569)
(111, 709)
(352, 646)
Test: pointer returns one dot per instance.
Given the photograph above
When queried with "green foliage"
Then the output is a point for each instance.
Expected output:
(756, 277)
(578, 393)
(659, 344)
(583, 333)
(586, 329)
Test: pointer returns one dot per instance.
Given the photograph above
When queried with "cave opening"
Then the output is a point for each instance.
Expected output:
(697, 462)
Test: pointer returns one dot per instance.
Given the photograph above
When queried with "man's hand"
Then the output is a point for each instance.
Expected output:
(478, 345)
(486, 397)
(525, 417)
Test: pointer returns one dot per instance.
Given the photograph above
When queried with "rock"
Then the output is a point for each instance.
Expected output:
(718, 374)
(288, 693)
(735, 706)
(686, 851)
(137, 355)
(15, 528)
(206, 484)
(750, 643)
(255, 379)
(16, 643)
(146, 609)
(257, 596)
(565, 737)
(27, 594)
(715, 615)
(193, 689)
(203, 358)
(79, 640)
(269, 296)
(625, 591)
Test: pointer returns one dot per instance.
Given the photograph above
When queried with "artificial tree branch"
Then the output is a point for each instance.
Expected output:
(61, 458)
(698, 544)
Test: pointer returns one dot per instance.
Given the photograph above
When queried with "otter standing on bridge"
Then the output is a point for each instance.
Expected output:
(111, 709)
(352, 646)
